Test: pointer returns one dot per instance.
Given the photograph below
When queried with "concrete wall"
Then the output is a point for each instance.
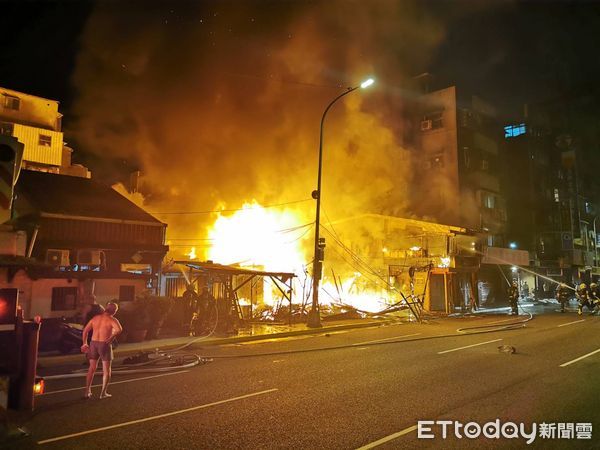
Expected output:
(35, 296)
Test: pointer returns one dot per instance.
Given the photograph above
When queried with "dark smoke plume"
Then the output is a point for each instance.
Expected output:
(220, 102)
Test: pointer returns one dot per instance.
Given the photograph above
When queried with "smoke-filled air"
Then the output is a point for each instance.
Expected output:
(219, 104)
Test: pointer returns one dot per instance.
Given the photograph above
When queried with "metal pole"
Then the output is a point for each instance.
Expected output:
(595, 244)
(314, 316)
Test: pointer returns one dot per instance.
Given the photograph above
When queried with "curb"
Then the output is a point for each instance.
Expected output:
(48, 361)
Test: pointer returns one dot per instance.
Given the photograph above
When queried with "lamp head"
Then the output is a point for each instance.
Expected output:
(367, 83)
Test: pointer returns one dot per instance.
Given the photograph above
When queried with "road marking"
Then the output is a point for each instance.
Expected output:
(147, 419)
(468, 346)
(571, 323)
(80, 388)
(388, 438)
(580, 358)
(386, 339)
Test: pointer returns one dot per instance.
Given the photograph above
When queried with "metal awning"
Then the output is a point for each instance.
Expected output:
(208, 266)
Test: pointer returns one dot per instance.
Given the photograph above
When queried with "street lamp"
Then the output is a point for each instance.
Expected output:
(314, 316)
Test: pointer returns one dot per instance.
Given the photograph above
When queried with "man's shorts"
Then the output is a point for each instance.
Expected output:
(100, 350)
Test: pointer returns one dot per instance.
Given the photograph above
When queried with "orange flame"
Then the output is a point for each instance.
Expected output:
(281, 241)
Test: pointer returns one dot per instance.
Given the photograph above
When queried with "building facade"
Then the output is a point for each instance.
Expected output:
(85, 243)
(553, 203)
(36, 123)
(456, 163)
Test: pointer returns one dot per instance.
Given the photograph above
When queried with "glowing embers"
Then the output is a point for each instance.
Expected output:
(39, 386)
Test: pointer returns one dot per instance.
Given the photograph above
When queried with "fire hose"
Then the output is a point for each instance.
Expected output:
(460, 332)
(484, 329)
(170, 360)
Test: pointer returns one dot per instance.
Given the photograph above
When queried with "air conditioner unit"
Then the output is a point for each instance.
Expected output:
(89, 257)
(426, 125)
(58, 258)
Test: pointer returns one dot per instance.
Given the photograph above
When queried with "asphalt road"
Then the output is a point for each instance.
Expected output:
(290, 394)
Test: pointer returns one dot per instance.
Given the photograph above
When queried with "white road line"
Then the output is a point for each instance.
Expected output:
(386, 339)
(147, 419)
(388, 438)
(468, 346)
(580, 358)
(80, 388)
(571, 323)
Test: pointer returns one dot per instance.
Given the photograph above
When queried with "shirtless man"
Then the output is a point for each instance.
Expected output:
(105, 329)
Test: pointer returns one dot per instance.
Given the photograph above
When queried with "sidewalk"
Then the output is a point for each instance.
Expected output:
(254, 332)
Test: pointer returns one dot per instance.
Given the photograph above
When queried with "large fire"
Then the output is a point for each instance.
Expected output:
(259, 237)
(282, 241)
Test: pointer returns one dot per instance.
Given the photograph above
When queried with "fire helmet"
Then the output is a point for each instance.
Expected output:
(593, 285)
(582, 286)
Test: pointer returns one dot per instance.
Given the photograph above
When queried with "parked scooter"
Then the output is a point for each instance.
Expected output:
(70, 337)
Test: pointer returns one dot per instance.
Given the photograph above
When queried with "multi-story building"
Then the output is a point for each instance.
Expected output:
(36, 123)
(79, 241)
(457, 164)
(551, 206)
(456, 161)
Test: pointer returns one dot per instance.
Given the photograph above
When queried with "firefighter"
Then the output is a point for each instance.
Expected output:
(513, 297)
(563, 296)
(595, 297)
(190, 304)
(583, 296)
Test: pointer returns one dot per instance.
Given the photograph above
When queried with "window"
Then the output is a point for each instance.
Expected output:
(467, 155)
(6, 128)
(126, 293)
(511, 131)
(488, 200)
(556, 195)
(45, 140)
(64, 298)
(485, 165)
(11, 102)
(432, 121)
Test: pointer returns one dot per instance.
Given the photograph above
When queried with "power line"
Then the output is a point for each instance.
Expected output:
(191, 241)
(229, 210)
(288, 230)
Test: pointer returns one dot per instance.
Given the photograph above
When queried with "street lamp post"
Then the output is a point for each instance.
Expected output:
(595, 244)
(314, 315)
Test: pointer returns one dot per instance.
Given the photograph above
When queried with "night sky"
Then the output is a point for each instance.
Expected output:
(508, 52)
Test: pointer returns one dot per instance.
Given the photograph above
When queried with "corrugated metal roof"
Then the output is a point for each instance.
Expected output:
(431, 227)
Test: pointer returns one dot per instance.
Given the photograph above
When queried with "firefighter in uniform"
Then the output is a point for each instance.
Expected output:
(513, 297)
(563, 296)
(190, 304)
(583, 296)
(595, 297)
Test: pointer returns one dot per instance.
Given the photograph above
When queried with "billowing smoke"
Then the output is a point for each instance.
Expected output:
(220, 102)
